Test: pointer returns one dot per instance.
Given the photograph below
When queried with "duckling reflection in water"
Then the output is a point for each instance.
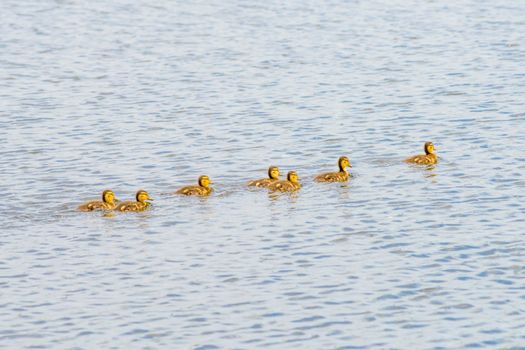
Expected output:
(107, 202)
(202, 189)
(340, 176)
(141, 204)
(289, 185)
(273, 176)
(428, 158)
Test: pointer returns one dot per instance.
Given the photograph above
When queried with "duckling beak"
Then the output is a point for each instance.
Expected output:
(150, 199)
(116, 200)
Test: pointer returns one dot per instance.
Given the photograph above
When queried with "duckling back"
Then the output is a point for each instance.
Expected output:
(107, 202)
(194, 191)
(423, 159)
(273, 176)
(132, 206)
(139, 204)
(289, 185)
(339, 176)
(428, 158)
(342, 175)
(96, 205)
(284, 186)
(202, 189)
(262, 182)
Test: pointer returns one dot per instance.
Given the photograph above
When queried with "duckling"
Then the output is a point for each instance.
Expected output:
(273, 176)
(290, 184)
(428, 158)
(203, 189)
(107, 202)
(340, 176)
(140, 205)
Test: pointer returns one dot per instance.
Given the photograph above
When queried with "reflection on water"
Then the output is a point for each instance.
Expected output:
(290, 197)
(128, 95)
(430, 171)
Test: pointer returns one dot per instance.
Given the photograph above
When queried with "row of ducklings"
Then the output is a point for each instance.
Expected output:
(272, 182)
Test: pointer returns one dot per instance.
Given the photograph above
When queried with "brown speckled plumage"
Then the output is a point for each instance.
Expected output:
(273, 176)
(289, 185)
(340, 176)
(202, 189)
(107, 202)
(428, 158)
(139, 205)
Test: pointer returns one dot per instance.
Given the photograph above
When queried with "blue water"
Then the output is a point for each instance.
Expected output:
(134, 94)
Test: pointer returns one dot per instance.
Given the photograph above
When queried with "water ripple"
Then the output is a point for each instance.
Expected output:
(128, 95)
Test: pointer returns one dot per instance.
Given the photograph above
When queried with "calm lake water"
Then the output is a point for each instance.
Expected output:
(151, 94)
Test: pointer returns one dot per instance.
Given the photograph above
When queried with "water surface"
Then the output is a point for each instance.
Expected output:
(127, 95)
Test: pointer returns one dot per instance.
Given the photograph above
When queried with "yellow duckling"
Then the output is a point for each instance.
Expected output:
(202, 189)
(289, 185)
(341, 175)
(273, 176)
(107, 202)
(140, 205)
(428, 158)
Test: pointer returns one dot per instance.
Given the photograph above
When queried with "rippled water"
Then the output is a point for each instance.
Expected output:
(127, 95)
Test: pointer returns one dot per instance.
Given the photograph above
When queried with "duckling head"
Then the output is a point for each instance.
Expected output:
(293, 177)
(429, 148)
(142, 196)
(204, 181)
(108, 197)
(343, 162)
(273, 173)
